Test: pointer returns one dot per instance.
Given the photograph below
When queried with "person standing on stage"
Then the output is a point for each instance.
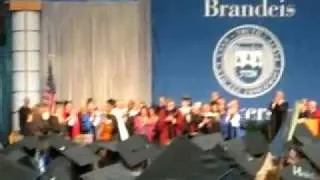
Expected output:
(170, 125)
(279, 110)
(24, 112)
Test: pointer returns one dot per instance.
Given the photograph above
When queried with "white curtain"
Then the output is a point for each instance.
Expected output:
(98, 50)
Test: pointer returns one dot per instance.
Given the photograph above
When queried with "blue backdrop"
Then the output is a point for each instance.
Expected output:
(184, 41)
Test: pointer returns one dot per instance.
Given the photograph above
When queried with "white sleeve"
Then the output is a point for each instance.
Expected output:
(71, 121)
(235, 122)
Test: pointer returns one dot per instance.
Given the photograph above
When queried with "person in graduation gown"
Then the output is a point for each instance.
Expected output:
(215, 96)
(195, 119)
(42, 122)
(303, 111)
(144, 123)
(232, 121)
(88, 121)
(279, 110)
(171, 124)
(210, 122)
(107, 129)
(312, 110)
(24, 113)
(161, 106)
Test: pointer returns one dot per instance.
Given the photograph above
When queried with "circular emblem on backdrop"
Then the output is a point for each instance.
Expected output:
(248, 61)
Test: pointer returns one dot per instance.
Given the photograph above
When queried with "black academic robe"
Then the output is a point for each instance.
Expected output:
(39, 126)
(278, 116)
(24, 113)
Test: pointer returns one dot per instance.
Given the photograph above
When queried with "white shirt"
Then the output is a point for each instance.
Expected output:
(235, 121)
(120, 114)
(185, 110)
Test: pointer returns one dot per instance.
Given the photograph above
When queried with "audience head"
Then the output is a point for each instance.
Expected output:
(67, 106)
(185, 101)
(144, 111)
(162, 101)
(279, 96)
(312, 106)
(152, 111)
(303, 105)
(206, 108)
(196, 109)
(214, 107)
(131, 104)
(26, 102)
(215, 96)
(110, 104)
(171, 105)
(91, 106)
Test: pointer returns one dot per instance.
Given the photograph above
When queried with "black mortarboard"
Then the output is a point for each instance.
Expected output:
(255, 142)
(10, 170)
(303, 135)
(135, 150)
(29, 142)
(112, 172)
(111, 146)
(245, 161)
(234, 144)
(179, 160)
(60, 168)
(15, 154)
(300, 171)
(207, 142)
(10, 148)
(311, 151)
(81, 156)
(59, 143)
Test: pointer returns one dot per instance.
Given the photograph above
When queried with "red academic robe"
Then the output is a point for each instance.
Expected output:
(166, 130)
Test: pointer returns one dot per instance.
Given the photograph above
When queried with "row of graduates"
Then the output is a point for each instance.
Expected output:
(118, 121)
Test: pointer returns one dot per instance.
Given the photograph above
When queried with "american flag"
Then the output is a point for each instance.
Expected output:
(49, 96)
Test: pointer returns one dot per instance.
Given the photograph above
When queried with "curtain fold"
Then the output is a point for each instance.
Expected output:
(6, 83)
(99, 50)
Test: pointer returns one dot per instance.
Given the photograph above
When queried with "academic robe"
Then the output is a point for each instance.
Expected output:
(24, 113)
(142, 128)
(195, 120)
(108, 131)
(166, 131)
(278, 116)
(39, 126)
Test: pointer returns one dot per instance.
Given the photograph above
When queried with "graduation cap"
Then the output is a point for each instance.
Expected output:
(112, 172)
(60, 168)
(29, 142)
(207, 142)
(300, 171)
(80, 156)
(234, 144)
(111, 146)
(59, 143)
(15, 154)
(135, 150)
(246, 161)
(255, 143)
(13, 171)
(311, 151)
(303, 135)
(179, 160)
